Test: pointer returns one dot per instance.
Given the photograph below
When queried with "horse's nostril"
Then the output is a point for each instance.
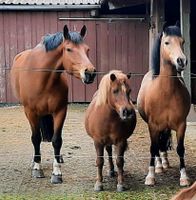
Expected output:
(180, 62)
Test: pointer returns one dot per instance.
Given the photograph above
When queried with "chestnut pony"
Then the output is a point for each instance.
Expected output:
(44, 92)
(110, 120)
(164, 101)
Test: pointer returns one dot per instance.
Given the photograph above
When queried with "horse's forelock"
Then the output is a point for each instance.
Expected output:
(75, 37)
(173, 31)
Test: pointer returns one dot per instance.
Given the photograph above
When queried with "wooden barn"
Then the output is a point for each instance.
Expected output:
(117, 41)
(120, 34)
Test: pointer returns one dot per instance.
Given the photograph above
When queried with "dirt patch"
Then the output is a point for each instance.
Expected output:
(79, 170)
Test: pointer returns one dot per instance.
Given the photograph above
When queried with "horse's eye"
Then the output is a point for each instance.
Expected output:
(69, 50)
(166, 43)
(115, 91)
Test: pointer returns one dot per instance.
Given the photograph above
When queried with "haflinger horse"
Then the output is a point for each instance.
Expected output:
(110, 120)
(186, 193)
(40, 85)
(164, 101)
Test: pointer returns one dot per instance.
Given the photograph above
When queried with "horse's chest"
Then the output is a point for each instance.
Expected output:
(119, 131)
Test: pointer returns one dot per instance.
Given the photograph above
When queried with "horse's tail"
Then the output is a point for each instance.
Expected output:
(165, 140)
(47, 127)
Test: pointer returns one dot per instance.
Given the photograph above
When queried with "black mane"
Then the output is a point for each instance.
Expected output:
(52, 41)
(155, 59)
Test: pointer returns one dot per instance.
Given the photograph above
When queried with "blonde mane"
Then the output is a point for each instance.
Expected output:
(104, 87)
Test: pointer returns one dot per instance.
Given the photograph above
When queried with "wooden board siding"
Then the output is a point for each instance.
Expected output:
(117, 45)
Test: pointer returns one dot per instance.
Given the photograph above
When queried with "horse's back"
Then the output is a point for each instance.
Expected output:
(17, 67)
(145, 84)
(35, 89)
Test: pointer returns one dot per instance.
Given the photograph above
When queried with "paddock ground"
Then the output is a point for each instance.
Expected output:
(79, 169)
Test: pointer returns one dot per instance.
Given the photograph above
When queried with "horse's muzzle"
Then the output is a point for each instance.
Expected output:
(126, 113)
(181, 63)
(89, 76)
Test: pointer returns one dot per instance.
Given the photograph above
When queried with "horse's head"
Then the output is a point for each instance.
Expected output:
(172, 47)
(75, 56)
(119, 95)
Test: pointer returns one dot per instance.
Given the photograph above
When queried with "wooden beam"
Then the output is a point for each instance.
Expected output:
(157, 19)
(185, 28)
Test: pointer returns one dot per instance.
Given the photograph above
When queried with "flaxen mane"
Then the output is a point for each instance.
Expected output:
(104, 87)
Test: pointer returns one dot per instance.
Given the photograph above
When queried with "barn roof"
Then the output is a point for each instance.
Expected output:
(49, 4)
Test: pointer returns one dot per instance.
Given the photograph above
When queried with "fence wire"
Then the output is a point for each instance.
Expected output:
(133, 74)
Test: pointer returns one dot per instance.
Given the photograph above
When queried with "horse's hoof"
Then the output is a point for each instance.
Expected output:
(159, 170)
(98, 187)
(120, 188)
(37, 173)
(150, 181)
(56, 179)
(184, 182)
(111, 173)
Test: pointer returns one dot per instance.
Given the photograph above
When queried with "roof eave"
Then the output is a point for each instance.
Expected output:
(48, 7)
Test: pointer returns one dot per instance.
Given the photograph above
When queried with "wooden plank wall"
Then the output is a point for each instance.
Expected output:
(117, 45)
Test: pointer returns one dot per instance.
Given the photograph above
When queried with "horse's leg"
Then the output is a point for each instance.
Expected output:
(36, 140)
(111, 164)
(165, 137)
(162, 161)
(59, 119)
(184, 180)
(120, 150)
(99, 161)
(154, 150)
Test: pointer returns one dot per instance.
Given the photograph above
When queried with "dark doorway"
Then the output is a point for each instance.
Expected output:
(172, 11)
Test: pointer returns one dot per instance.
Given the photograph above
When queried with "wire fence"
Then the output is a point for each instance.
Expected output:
(133, 74)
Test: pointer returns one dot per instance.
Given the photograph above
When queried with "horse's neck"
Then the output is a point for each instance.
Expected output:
(168, 77)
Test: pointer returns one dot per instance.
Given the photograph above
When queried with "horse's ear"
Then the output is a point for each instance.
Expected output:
(66, 32)
(112, 77)
(83, 31)
(129, 75)
(177, 23)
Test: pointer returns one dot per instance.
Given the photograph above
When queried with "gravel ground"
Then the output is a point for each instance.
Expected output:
(79, 170)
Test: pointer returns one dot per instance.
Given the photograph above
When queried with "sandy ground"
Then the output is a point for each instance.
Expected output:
(79, 170)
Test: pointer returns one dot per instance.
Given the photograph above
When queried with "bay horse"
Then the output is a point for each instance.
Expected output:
(164, 101)
(44, 92)
(110, 120)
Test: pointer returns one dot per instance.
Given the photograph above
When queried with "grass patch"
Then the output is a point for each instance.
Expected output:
(144, 193)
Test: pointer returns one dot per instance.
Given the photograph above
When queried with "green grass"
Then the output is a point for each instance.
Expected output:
(146, 193)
